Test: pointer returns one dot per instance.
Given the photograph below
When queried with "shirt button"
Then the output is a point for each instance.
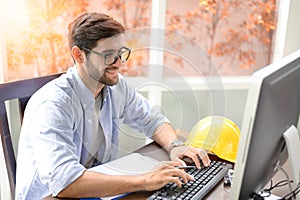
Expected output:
(84, 106)
(89, 121)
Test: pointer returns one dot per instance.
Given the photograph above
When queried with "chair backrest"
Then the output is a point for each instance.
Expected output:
(22, 91)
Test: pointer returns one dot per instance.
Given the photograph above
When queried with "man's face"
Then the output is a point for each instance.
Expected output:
(103, 63)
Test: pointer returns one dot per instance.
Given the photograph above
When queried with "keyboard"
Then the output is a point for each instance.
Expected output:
(205, 179)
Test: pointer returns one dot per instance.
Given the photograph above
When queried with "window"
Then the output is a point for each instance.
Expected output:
(237, 36)
(35, 40)
(173, 42)
(36, 36)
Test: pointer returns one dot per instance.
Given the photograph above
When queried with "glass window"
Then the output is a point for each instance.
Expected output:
(135, 15)
(236, 36)
(36, 34)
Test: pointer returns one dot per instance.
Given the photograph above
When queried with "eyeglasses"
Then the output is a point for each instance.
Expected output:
(111, 56)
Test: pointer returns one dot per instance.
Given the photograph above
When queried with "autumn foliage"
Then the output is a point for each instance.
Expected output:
(232, 28)
(41, 45)
(228, 31)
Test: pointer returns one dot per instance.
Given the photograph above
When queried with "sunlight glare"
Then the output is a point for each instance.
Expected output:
(16, 14)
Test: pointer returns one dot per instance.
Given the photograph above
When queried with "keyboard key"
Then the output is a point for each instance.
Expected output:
(205, 179)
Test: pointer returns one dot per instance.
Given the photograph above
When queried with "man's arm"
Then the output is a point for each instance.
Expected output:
(164, 135)
(94, 184)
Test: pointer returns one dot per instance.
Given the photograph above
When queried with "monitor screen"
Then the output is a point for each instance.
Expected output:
(272, 106)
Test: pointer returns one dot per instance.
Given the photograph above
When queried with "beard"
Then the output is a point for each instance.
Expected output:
(108, 81)
(104, 76)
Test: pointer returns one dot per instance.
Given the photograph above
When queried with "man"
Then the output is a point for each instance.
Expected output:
(72, 123)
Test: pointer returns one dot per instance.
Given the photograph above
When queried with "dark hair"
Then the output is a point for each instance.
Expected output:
(88, 28)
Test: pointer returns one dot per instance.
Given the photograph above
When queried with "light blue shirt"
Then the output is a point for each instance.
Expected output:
(57, 131)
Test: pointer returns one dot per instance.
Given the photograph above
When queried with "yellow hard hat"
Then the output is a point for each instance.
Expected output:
(216, 134)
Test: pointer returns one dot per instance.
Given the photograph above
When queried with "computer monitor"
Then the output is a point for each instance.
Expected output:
(272, 106)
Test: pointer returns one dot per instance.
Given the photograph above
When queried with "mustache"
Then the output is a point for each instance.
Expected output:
(112, 68)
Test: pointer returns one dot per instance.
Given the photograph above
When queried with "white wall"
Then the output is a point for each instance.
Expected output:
(287, 39)
(292, 40)
(185, 108)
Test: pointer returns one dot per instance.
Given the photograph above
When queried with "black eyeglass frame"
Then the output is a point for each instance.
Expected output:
(104, 55)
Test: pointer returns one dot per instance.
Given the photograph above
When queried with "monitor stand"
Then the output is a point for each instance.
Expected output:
(292, 140)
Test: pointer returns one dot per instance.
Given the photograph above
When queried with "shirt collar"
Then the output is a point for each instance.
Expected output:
(84, 94)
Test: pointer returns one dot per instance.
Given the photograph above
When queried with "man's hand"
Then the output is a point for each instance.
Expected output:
(195, 154)
(166, 173)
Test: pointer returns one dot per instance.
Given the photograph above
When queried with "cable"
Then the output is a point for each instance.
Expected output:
(256, 196)
(292, 194)
(286, 175)
(267, 192)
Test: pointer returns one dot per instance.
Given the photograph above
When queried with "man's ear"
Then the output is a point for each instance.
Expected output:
(77, 54)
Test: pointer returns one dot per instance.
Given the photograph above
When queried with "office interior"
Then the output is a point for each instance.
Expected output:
(184, 100)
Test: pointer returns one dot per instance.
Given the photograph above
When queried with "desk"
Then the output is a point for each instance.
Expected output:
(155, 151)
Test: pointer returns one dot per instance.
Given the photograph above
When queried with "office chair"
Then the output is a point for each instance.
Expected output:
(22, 91)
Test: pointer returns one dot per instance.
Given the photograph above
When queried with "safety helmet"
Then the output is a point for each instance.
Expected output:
(216, 134)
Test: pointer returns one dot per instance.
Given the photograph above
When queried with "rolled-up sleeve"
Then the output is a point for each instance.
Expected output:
(54, 148)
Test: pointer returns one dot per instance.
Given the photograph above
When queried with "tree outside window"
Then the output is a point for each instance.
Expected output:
(237, 35)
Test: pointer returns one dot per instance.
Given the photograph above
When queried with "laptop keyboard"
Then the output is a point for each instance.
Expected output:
(205, 179)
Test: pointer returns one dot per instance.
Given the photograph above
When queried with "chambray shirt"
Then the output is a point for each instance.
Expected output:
(57, 131)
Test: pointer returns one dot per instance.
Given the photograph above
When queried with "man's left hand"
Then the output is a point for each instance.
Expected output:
(196, 154)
